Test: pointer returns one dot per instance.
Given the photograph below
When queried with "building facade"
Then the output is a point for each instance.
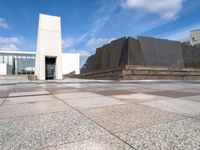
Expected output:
(23, 63)
(48, 62)
(17, 63)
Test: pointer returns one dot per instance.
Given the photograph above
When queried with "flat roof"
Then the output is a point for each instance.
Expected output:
(195, 30)
(27, 52)
(16, 52)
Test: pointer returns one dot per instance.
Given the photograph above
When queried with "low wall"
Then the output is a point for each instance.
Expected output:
(131, 72)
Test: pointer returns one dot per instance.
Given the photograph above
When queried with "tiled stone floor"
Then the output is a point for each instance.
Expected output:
(100, 115)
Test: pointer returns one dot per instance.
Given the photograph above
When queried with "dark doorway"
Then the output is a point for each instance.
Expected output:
(50, 67)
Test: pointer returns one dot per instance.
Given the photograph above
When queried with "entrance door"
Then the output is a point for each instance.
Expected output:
(50, 68)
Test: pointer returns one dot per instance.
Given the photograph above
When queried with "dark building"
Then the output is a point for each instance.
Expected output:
(144, 51)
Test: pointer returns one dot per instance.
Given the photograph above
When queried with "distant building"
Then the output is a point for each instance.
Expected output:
(195, 38)
(48, 62)
(23, 63)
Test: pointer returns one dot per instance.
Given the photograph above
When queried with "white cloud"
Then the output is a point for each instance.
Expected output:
(9, 47)
(167, 9)
(9, 43)
(3, 23)
(8, 40)
(69, 42)
(94, 43)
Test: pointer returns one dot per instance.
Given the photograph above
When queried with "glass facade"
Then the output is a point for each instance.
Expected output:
(22, 63)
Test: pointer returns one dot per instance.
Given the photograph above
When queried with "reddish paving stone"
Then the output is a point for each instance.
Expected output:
(130, 116)
(173, 94)
(65, 91)
(114, 92)
(18, 90)
(4, 94)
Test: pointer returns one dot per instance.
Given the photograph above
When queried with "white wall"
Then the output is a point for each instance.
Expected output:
(195, 37)
(48, 45)
(3, 69)
(70, 62)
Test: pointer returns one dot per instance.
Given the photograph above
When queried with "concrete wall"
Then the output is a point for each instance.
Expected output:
(135, 55)
(144, 51)
(115, 50)
(191, 55)
(5, 69)
(48, 45)
(162, 53)
(70, 62)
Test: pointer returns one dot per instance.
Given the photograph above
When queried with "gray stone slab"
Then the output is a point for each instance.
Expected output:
(192, 98)
(68, 96)
(39, 92)
(1, 100)
(35, 132)
(93, 102)
(30, 99)
(32, 108)
(183, 107)
(139, 97)
(179, 135)
(103, 143)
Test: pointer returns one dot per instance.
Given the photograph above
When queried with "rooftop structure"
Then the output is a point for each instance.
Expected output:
(195, 38)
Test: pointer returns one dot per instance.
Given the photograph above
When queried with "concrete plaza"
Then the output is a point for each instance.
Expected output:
(99, 115)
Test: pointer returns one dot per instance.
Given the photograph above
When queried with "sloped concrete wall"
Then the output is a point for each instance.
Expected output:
(191, 56)
(159, 52)
(135, 55)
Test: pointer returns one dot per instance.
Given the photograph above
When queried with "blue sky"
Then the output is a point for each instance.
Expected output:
(88, 24)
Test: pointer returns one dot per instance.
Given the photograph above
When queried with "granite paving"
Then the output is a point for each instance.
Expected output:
(74, 114)
(103, 143)
(178, 135)
(129, 116)
(178, 106)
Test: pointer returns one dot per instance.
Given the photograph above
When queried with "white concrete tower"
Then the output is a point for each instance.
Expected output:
(48, 64)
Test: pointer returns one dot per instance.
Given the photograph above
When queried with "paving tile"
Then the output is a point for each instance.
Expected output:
(113, 92)
(30, 99)
(39, 131)
(197, 117)
(7, 88)
(38, 92)
(178, 135)
(4, 94)
(76, 95)
(183, 107)
(32, 108)
(139, 98)
(18, 90)
(1, 101)
(173, 94)
(125, 117)
(27, 85)
(192, 98)
(65, 90)
(193, 90)
(103, 143)
(91, 102)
